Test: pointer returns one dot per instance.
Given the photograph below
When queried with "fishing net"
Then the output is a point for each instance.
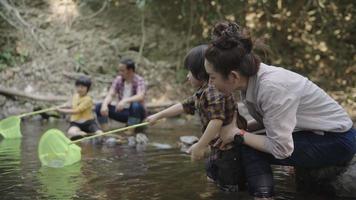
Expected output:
(56, 150)
(10, 128)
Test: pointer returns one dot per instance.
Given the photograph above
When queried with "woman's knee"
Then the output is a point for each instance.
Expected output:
(261, 186)
(255, 162)
(258, 172)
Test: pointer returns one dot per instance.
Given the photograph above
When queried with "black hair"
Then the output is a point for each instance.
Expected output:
(130, 64)
(231, 49)
(84, 81)
(194, 62)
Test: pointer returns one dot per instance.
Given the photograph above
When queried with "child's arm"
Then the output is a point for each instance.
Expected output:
(80, 108)
(67, 110)
(65, 107)
(169, 112)
(210, 133)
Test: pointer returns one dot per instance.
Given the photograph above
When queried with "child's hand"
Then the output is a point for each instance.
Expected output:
(197, 152)
(63, 110)
(152, 119)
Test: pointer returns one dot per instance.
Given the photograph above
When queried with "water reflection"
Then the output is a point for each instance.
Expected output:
(10, 151)
(10, 154)
(60, 183)
(158, 170)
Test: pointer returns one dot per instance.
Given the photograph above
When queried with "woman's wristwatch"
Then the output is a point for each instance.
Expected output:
(239, 138)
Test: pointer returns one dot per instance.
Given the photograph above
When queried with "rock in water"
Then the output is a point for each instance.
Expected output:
(141, 138)
(131, 141)
(111, 141)
(345, 183)
(186, 141)
(335, 180)
(161, 146)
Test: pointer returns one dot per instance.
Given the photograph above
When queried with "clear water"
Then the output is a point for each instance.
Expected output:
(156, 171)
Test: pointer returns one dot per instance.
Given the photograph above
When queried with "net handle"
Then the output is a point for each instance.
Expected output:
(112, 131)
(40, 111)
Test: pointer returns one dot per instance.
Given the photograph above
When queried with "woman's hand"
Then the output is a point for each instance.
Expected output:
(227, 134)
(196, 152)
(152, 119)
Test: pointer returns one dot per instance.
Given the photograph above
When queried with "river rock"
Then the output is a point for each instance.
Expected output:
(186, 141)
(111, 141)
(336, 181)
(2, 100)
(141, 138)
(161, 145)
(131, 141)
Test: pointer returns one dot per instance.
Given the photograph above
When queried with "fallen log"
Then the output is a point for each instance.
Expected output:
(11, 92)
(16, 93)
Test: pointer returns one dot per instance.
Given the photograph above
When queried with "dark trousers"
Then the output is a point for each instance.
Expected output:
(310, 151)
(132, 115)
(225, 169)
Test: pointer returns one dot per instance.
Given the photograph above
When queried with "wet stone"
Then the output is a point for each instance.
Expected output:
(336, 180)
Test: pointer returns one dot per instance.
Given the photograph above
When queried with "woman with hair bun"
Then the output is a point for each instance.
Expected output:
(304, 126)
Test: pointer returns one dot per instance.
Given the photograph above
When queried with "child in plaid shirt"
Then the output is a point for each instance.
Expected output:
(215, 110)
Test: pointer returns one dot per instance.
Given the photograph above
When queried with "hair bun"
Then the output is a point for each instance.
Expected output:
(226, 35)
(247, 43)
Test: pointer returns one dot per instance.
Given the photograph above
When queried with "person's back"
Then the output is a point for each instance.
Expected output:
(281, 101)
(316, 110)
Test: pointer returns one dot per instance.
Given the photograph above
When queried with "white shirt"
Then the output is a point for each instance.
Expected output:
(285, 102)
(127, 92)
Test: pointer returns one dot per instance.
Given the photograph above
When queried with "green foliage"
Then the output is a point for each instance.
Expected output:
(181, 75)
(314, 38)
(9, 59)
(141, 4)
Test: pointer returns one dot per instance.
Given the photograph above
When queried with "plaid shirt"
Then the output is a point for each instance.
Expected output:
(138, 85)
(210, 104)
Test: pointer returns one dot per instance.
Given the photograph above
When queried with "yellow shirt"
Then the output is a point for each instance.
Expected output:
(82, 105)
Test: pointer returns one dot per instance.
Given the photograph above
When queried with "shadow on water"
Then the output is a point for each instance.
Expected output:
(158, 170)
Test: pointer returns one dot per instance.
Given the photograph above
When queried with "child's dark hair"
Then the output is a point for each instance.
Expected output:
(194, 62)
(84, 81)
(130, 64)
(231, 49)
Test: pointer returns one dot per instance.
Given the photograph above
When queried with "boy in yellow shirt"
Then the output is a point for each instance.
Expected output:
(82, 120)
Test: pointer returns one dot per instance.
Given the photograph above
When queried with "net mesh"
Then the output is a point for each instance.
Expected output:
(10, 128)
(56, 150)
